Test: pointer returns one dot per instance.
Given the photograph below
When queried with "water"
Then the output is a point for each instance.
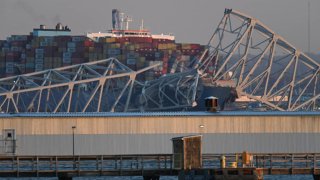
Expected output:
(282, 177)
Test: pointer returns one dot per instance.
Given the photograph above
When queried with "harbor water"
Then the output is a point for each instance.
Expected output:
(278, 177)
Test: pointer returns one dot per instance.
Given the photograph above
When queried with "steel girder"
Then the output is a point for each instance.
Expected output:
(105, 85)
(264, 66)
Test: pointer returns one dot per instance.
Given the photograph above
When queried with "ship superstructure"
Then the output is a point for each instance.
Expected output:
(120, 29)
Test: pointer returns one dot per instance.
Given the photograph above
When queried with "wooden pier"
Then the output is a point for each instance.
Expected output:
(155, 166)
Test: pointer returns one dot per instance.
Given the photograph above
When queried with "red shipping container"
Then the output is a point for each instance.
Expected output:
(122, 40)
(195, 46)
(145, 45)
(155, 44)
(165, 60)
(164, 70)
(88, 43)
(179, 46)
(141, 39)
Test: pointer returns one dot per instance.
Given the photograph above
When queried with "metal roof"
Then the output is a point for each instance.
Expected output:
(159, 114)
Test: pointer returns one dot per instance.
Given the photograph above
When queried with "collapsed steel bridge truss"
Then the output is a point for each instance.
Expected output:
(100, 86)
(105, 85)
(264, 66)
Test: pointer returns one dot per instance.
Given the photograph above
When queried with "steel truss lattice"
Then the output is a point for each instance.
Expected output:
(100, 86)
(105, 85)
(264, 66)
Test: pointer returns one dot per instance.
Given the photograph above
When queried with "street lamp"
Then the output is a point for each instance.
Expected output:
(73, 128)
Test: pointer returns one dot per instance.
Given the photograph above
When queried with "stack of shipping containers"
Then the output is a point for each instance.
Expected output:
(26, 53)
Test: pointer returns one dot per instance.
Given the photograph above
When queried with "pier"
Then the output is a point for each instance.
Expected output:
(154, 166)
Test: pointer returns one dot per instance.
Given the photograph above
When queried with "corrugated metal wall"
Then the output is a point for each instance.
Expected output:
(161, 143)
(162, 124)
(150, 135)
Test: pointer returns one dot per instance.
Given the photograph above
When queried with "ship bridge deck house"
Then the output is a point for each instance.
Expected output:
(58, 31)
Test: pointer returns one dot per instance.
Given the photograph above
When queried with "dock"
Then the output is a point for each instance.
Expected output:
(154, 166)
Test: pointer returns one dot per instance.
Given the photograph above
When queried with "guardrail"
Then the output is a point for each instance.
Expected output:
(143, 165)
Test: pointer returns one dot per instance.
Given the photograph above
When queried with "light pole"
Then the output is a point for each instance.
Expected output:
(73, 128)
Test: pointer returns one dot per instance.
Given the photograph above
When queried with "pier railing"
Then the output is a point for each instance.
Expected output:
(140, 165)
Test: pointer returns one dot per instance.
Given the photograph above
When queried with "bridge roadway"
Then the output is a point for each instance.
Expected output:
(66, 167)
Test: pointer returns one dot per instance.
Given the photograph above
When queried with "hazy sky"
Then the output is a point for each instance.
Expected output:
(189, 20)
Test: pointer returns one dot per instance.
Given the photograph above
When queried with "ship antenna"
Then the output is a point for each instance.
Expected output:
(127, 20)
(121, 20)
(141, 27)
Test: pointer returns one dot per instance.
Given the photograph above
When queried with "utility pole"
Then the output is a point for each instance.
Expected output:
(73, 128)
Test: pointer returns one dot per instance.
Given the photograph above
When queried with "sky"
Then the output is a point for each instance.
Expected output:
(191, 21)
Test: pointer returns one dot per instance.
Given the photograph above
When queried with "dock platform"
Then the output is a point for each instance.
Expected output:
(155, 166)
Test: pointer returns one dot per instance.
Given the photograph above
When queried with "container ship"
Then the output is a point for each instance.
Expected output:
(46, 48)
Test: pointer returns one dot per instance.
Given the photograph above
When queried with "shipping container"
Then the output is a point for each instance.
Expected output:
(114, 51)
(71, 49)
(39, 56)
(78, 38)
(67, 55)
(66, 60)
(88, 43)
(71, 44)
(39, 51)
(131, 61)
(38, 61)
(110, 40)
(38, 67)
(9, 67)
